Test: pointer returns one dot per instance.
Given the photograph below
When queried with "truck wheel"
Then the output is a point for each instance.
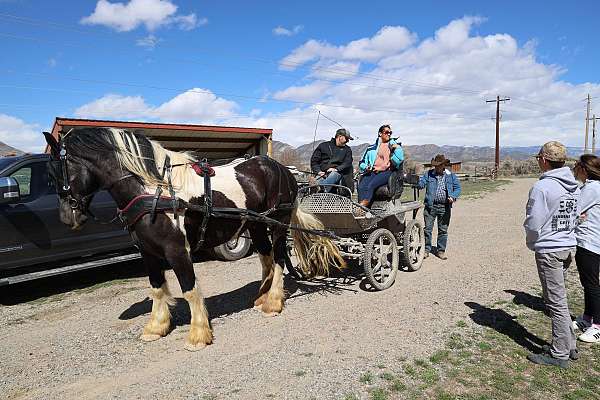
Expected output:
(234, 249)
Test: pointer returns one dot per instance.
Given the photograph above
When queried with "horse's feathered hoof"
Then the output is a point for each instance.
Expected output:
(149, 337)
(194, 347)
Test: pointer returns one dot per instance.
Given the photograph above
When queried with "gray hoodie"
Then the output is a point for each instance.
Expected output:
(588, 231)
(551, 212)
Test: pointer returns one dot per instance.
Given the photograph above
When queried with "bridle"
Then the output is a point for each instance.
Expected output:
(78, 204)
(74, 203)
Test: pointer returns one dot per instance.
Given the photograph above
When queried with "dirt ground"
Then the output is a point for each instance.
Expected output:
(83, 343)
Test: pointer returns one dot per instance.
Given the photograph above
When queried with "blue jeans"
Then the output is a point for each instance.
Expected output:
(369, 183)
(334, 178)
(441, 212)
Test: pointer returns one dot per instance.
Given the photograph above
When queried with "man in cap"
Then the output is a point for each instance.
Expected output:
(551, 214)
(332, 161)
(442, 188)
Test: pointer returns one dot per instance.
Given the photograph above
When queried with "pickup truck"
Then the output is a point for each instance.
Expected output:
(34, 243)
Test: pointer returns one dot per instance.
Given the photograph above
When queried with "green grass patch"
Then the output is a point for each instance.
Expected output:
(379, 394)
(367, 378)
(299, 372)
(477, 189)
(351, 396)
(388, 376)
(398, 386)
(439, 356)
(489, 361)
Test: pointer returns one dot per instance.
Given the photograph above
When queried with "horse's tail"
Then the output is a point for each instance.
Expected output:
(315, 253)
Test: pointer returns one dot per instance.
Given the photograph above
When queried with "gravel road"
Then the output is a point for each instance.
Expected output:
(82, 344)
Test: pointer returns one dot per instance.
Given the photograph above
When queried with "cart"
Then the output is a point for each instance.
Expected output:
(382, 238)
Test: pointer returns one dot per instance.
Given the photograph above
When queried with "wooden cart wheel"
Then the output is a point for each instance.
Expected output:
(381, 259)
(413, 245)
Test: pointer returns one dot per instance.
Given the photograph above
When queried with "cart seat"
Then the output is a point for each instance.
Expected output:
(393, 189)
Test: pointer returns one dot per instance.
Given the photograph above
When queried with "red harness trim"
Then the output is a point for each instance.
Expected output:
(199, 169)
(146, 209)
(138, 198)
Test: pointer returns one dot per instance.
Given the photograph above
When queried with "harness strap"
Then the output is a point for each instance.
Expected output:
(208, 204)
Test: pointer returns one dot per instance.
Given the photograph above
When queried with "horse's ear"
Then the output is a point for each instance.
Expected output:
(54, 146)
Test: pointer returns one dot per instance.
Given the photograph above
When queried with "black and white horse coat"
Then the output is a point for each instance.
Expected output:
(129, 165)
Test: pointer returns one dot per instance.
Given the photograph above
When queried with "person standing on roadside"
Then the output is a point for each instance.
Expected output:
(551, 215)
(442, 188)
(587, 257)
(332, 162)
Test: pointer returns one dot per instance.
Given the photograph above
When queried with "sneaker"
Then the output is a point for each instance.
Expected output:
(442, 255)
(573, 354)
(591, 335)
(581, 324)
(547, 359)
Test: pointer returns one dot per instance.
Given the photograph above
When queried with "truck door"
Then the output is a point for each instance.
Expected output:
(34, 232)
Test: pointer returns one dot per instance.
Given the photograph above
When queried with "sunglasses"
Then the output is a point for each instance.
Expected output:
(386, 133)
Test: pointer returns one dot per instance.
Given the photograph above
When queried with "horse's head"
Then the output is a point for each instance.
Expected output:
(74, 182)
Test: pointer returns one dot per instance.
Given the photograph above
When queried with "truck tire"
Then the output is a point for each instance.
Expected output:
(234, 249)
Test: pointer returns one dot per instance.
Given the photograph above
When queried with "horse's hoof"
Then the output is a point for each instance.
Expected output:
(271, 314)
(149, 337)
(194, 347)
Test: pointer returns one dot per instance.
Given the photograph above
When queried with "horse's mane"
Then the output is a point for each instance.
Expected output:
(134, 152)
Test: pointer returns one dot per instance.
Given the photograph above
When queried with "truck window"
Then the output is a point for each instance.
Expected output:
(23, 177)
(33, 181)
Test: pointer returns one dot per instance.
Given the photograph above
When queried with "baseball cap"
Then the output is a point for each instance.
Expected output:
(343, 132)
(553, 151)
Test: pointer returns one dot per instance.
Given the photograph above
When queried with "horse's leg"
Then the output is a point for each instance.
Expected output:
(275, 299)
(200, 333)
(160, 318)
(260, 239)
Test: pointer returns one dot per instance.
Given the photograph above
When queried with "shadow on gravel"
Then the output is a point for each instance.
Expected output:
(504, 323)
(45, 287)
(218, 306)
(535, 303)
(336, 283)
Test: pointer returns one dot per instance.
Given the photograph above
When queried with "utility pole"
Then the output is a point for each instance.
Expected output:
(587, 124)
(497, 158)
(594, 135)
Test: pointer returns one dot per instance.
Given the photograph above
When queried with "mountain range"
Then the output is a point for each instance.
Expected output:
(6, 150)
(425, 152)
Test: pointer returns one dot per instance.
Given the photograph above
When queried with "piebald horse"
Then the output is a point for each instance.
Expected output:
(87, 160)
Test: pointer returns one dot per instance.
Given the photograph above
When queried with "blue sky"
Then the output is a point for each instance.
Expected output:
(426, 67)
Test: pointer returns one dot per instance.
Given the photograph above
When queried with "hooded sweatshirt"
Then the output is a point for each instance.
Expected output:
(588, 231)
(551, 212)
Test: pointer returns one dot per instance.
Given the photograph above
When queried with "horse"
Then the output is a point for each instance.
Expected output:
(128, 165)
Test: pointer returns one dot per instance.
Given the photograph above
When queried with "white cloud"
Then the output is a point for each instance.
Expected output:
(21, 135)
(308, 93)
(281, 31)
(388, 40)
(149, 41)
(433, 90)
(193, 106)
(334, 70)
(114, 106)
(150, 13)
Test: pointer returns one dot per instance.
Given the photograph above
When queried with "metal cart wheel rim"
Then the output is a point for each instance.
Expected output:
(381, 259)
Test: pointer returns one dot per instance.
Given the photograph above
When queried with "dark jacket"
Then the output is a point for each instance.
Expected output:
(429, 182)
(328, 155)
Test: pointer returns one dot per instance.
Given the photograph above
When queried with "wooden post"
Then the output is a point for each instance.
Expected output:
(270, 145)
